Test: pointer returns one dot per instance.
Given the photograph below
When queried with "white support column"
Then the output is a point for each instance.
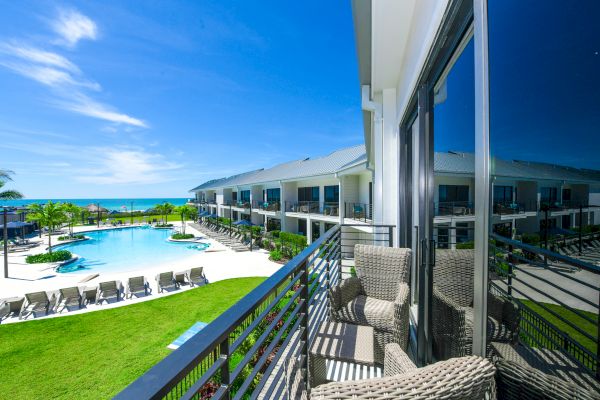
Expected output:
(390, 167)
(321, 228)
(452, 236)
(342, 208)
(308, 230)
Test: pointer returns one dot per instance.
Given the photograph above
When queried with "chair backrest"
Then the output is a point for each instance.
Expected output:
(380, 269)
(453, 274)
(196, 272)
(165, 277)
(137, 281)
(111, 285)
(70, 292)
(37, 297)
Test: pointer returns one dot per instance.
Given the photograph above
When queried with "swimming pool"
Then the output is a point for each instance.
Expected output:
(123, 249)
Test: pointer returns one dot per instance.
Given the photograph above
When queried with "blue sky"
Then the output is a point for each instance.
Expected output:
(144, 99)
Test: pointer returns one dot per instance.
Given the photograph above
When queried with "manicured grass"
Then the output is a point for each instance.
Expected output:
(97, 354)
(576, 320)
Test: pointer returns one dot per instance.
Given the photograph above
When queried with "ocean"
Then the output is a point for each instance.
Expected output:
(110, 204)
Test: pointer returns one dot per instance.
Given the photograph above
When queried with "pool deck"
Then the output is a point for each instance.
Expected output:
(219, 263)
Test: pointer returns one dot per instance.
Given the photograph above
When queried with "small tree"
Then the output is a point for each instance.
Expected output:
(48, 216)
(186, 212)
(164, 210)
(72, 213)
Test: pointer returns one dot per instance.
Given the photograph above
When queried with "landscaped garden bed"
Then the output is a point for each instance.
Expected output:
(55, 256)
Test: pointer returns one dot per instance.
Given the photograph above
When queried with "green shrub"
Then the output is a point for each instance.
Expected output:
(74, 237)
(530, 238)
(465, 245)
(275, 234)
(60, 255)
(275, 255)
(181, 236)
(164, 225)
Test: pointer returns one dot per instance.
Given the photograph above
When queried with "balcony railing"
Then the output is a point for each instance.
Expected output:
(456, 208)
(239, 204)
(241, 353)
(267, 205)
(359, 211)
(313, 207)
(557, 298)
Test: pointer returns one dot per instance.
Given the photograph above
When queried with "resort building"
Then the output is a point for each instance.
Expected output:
(306, 196)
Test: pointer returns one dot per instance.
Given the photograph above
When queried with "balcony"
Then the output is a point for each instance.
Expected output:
(359, 211)
(269, 206)
(313, 207)
(244, 353)
(241, 204)
(454, 208)
(514, 208)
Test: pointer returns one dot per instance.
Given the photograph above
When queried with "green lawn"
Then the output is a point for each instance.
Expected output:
(585, 325)
(95, 355)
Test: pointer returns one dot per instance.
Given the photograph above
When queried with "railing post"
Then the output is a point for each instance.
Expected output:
(304, 296)
(390, 236)
(225, 376)
(580, 226)
(510, 270)
(598, 342)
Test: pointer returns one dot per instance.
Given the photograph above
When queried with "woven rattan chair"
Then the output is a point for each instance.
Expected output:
(69, 297)
(517, 381)
(462, 378)
(378, 296)
(452, 322)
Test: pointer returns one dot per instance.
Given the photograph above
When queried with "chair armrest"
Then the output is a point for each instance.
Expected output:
(347, 290)
(453, 321)
(401, 315)
(396, 361)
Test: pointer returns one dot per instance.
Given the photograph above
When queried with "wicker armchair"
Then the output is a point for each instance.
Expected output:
(459, 378)
(378, 296)
(452, 322)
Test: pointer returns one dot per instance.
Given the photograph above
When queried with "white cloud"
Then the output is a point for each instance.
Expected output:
(128, 166)
(84, 105)
(73, 26)
(60, 74)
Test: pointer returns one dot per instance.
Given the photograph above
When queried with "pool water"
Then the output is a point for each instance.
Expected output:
(117, 250)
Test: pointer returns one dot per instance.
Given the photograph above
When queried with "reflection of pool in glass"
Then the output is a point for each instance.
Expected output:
(116, 250)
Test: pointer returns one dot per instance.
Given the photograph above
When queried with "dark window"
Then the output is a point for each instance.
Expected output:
(234, 196)
(551, 224)
(302, 227)
(316, 230)
(328, 226)
(245, 195)
(566, 194)
(332, 194)
(503, 194)
(454, 193)
(549, 195)
(273, 195)
(308, 193)
(370, 192)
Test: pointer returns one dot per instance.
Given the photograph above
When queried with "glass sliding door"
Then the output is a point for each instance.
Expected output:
(544, 113)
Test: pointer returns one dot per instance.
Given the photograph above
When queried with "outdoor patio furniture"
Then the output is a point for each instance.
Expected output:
(452, 322)
(538, 373)
(34, 303)
(4, 309)
(108, 290)
(378, 296)
(461, 378)
(341, 342)
(13, 304)
(89, 294)
(166, 280)
(69, 297)
(136, 285)
(181, 278)
(196, 276)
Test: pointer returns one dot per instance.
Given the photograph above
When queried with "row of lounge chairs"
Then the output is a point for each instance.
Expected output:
(234, 240)
(111, 291)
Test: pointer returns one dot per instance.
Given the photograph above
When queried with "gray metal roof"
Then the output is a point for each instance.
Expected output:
(464, 163)
(298, 169)
(450, 163)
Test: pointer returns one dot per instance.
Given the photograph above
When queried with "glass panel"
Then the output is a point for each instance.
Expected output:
(454, 143)
(332, 194)
(544, 141)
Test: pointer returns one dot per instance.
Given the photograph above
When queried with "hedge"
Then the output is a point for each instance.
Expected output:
(181, 236)
(60, 255)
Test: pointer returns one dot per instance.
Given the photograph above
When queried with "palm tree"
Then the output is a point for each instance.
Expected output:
(72, 213)
(165, 209)
(48, 216)
(186, 212)
(8, 194)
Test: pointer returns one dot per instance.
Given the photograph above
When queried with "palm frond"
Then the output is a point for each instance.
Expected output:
(10, 195)
(5, 175)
